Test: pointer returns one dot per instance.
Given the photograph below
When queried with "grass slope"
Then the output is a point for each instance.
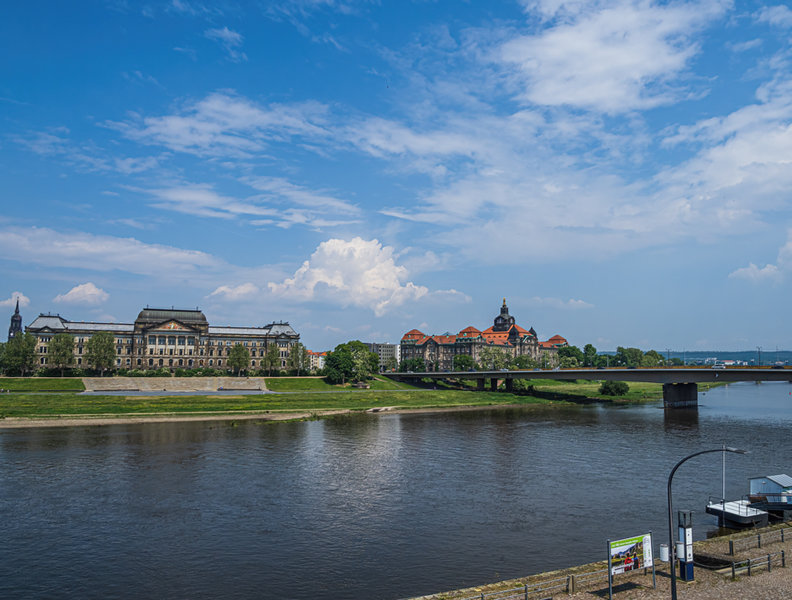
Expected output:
(42, 384)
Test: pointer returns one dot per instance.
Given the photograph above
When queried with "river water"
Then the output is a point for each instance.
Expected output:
(364, 507)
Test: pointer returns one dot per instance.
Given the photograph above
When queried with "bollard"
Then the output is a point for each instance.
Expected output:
(731, 547)
(782, 536)
(759, 539)
(769, 563)
(572, 584)
(783, 559)
(734, 574)
(749, 574)
(526, 591)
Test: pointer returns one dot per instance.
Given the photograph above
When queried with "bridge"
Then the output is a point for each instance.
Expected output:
(680, 384)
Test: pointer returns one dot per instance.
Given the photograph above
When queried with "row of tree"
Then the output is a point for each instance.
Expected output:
(18, 355)
(569, 357)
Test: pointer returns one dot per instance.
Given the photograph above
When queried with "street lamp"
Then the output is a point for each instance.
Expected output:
(671, 545)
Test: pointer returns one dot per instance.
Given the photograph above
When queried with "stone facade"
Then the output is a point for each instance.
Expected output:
(438, 351)
(173, 339)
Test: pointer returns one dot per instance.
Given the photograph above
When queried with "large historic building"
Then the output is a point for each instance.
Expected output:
(438, 351)
(167, 338)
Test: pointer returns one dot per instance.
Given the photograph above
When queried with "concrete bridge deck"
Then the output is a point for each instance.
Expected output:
(679, 383)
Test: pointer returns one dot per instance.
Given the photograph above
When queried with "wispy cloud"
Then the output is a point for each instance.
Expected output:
(243, 291)
(558, 303)
(231, 41)
(226, 125)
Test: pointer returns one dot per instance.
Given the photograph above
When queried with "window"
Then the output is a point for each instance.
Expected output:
(182, 340)
(79, 361)
(151, 362)
(152, 339)
(161, 340)
(171, 340)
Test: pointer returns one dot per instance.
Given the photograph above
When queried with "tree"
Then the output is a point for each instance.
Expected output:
(391, 363)
(19, 354)
(589, 356)
(568, 362)
(350, 361)
(100, 351)
(271, 358)
(523, 362)
(614, 388)
(627, 357)
(238, 358)
(464, 362)
(652, 359)
(414, 365)
(362, 364)
(298, 358)
(570, 352)
(491, 358)
(61, 351)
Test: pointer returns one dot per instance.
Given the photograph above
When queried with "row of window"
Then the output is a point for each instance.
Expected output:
(171, 362)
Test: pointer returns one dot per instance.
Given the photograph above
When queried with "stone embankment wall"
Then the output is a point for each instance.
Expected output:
(172, 384)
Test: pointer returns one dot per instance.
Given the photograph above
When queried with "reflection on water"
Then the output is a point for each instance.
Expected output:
(362, 507)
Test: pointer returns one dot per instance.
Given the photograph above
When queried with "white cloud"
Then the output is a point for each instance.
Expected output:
(279, 203)
(226, 125)
(52, 248)
(358, 272)
(558, 303)
(85, 293)
(23, 300)
(618, 57)
(756, 274)
(769, 273)
(230, 40)
(779, 15)
(240, 292)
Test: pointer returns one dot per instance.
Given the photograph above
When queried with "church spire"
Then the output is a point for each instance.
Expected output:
(16, 322)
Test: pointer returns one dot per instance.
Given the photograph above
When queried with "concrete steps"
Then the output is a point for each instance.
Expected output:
(172, 384)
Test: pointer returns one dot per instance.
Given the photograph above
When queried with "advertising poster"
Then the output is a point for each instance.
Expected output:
(631, 554)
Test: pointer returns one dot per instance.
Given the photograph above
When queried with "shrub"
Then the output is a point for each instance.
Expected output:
(614, 388)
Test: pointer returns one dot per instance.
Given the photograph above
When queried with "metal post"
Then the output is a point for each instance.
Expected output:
(731, 547)
(749, 572)
(783, 559)
(769, 564)
(671, 545)
(526, 591)
(759, 539)
(734, 575)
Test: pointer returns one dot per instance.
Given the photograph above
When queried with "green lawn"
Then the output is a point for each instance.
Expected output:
(42, 384)
(318, 384)
(46, 405)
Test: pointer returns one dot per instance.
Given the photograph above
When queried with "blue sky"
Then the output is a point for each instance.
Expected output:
(619, 171)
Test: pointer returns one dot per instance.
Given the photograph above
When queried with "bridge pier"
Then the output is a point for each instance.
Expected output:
(510, 385)
(680, 395)
(480, 384)
(494, 384)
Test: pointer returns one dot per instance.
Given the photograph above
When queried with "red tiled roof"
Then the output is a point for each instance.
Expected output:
(469, 332)
(444, 339)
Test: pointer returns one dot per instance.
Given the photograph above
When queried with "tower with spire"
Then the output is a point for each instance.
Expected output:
(16, 323)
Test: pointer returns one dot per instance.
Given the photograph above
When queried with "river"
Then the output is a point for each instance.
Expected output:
(365, 507)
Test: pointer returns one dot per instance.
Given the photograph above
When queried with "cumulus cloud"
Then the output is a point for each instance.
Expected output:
(85, 293)
(770, 272)
(357, 272)
(23, 300)
(241, 292)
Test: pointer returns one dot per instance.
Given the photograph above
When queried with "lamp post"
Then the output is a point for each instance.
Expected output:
(671, 545)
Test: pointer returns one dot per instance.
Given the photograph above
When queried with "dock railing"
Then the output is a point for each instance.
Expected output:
(751, 565)
(756, 541)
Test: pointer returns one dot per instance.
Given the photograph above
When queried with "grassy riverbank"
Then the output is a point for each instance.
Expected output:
(66, 404)
(56, 398)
